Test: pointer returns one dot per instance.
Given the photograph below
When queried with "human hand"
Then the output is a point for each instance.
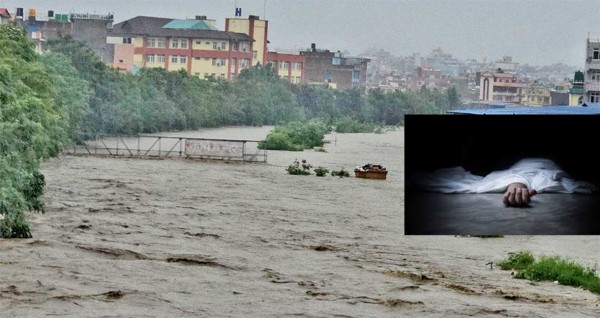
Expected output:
(517, 194)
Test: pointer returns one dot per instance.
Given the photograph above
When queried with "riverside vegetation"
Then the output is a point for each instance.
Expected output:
(552, 269)
(67, 95)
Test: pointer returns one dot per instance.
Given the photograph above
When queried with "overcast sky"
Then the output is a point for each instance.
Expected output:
(532, 31)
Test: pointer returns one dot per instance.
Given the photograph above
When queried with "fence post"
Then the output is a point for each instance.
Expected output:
(159, 142)
(138, 146)
(118, 137)
(180, 147)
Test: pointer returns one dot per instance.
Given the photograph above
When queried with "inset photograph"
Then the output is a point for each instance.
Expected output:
(502, 175)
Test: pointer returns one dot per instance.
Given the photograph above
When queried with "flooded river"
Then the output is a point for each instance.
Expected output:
(179, 238)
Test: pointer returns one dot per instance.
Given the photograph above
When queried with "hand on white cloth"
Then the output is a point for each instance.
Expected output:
(517, 194)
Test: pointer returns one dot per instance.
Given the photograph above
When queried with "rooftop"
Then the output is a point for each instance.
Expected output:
(153, 26)
(4, 13)
(189, 25)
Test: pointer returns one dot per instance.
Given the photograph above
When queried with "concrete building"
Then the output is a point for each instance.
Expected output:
(195, 46)
(501, 87)
(288, 66)
(506, 64)
(427, 77)
(255, 28)
(591, 86)
(333, 69)
(90, 29)
(536, 95)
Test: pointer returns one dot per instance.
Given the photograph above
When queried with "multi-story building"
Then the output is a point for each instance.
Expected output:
(506, 64)
(288, 66)
(427, 77)
(195, 46)
(536, 95)
(501, 87)
(591, 86)
(333, 69)
(256, 29)
(90, 29)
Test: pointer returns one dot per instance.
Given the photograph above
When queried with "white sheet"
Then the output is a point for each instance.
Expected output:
(540, 174)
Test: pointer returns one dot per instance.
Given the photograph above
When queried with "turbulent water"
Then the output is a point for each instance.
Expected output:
(178, 238)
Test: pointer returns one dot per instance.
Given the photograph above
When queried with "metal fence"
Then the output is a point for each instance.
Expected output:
(150, 146)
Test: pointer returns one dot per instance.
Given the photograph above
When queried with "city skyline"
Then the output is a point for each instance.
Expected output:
(532, 32)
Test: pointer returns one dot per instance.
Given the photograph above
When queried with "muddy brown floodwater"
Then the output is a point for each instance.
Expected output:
(178, 238)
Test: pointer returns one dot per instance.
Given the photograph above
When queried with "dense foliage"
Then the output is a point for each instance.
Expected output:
(296, 136)
(31, 129)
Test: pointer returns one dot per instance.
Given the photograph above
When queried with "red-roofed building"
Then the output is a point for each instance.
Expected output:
(4, 15)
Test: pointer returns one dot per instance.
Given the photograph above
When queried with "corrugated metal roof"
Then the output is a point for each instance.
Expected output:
(152, 26)
(189, 25)
(546, 110)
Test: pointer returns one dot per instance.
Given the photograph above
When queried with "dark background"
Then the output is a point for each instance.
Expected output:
(484, 143)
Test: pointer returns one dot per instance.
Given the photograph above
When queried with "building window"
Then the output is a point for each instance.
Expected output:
(297, 66)
(355, 76)
(254, 54)
(179, 43)
(595, 97)
(183, 59)
(244, 47)
(199, 42)
(222, 76)
(127, 40)
(197, 58)
(595, 76)
(160, 58)
(223, 45)
(174, 59)
(214, 62)
(156, 42)
(283, 65)
(596, 55)
(150, 58)
(273, 64)
(244, 63)
(234, 47)
(215, 46)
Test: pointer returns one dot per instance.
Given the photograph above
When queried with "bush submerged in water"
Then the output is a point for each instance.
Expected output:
(341, 173)
(321, 171)
(296, 136)
(299, 169)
